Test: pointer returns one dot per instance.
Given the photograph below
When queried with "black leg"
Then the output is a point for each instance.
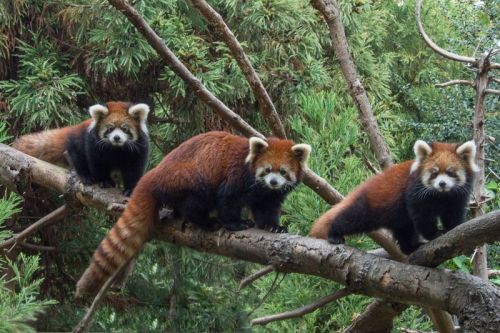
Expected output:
(229, 213)
(195, 210)
(425, 223)
(407, 238)
(267, 216)
(76, 153)
(453, 217)
(130, 178)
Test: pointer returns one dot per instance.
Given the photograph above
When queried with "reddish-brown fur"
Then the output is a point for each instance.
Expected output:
(49, 145)
(381, 190)
(208, 160)
(407, 202)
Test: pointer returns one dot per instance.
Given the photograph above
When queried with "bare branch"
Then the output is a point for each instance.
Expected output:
(434, 46)
(257, 275)
(494, 79)
(37, 247)
(266, 105)
(52, 217)
(330, 12)
(302, 310)
(454, 82)
(493, 273)
(87, 319)
(492, 91)
(180, 69)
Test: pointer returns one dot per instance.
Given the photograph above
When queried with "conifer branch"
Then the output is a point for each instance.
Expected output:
(266, 105)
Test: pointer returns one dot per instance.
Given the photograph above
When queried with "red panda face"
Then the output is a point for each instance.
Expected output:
(444, 167)
(119, 123)
(277, 164)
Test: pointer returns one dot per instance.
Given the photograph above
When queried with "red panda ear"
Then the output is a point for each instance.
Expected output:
(302, 152)
(467, 152)
(256, 146)
(422, 150)
(97, 112)
(140, 112)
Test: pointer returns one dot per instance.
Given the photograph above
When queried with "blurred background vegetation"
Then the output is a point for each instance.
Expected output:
(57, 57)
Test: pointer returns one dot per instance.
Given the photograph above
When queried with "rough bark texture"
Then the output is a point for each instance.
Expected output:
(458, 241)
(479, 262)
(365, 323)
(475, 301)
(329, 9)
(466, 296)
(266, 105)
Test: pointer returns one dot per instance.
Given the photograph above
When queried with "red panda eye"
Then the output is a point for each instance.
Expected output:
(282, 172)
(267, 170)
(451, 173)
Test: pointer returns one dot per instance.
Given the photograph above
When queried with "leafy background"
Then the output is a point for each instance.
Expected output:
(57, 57)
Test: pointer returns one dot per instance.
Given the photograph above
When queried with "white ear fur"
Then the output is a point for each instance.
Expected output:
(256, 146)
(96, 112)
(468, 152)
(141, 112)
(422, 150)
(302, 152)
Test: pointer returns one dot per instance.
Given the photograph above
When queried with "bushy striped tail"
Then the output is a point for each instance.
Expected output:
(124, 240)
(48, 145)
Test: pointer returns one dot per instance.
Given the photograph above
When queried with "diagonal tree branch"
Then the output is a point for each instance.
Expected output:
(180, 69)
(434, 46)
(303, 310)
(266, 105)
(329, 9)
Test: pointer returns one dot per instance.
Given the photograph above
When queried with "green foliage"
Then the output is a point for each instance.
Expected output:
(60, 56)
(46, 93)
(19, 288)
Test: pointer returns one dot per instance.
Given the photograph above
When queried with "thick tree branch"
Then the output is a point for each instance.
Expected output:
(460, 240)
(18, 169)
(329, 9)
(473, 300)
(266, 105)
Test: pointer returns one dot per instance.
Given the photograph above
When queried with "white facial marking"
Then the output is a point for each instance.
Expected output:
(443, 183)
(422, 150)
(117, 137)
(274, 180)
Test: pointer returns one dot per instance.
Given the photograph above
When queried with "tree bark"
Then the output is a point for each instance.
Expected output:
(329, 9)
(473, 300)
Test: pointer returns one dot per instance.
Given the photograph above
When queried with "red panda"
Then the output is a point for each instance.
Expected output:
(115, 138)
(212, 171)
(407, 198)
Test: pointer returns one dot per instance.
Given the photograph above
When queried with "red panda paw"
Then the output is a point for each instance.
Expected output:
(279, 229)
(336, 239)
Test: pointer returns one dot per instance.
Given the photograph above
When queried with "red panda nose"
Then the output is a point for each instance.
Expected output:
(442, 184)
(273, 182)
(116, 138)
